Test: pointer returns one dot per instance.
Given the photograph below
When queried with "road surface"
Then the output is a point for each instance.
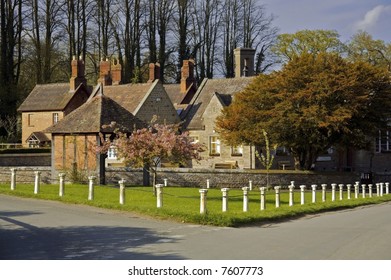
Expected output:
(46, 230)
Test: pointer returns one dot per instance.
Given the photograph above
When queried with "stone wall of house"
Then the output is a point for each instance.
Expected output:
(157, 103)
(25, 159)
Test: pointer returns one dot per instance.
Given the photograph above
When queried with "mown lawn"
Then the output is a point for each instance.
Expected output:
(183, 204)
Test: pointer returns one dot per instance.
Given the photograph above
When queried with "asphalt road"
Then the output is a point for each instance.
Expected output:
(35, 229)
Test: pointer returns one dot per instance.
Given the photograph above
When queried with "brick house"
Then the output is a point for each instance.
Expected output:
(75, 138)
(49, 103)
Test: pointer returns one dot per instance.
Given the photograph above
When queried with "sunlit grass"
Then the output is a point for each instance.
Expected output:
(183, 204)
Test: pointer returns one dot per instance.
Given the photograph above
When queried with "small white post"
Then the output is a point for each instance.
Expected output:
(340, 191)
(363, 186)
(377, 189)
(165, 182)
(313, 193)
(37, 181)
(61, 190)
(381, 189)
(245, 199)
(159, 195)
(225, 199)
(324, 186)
(91, 187)
(13, 178)
(207, 183)
(302, 194)
(387, 188)
(277, 190)
(250, 185)
(370, 189)
(349, 186)
(203, 193)
(356, 189)
(263, 199)
(122, 191)
(333, 186)
(291, 194)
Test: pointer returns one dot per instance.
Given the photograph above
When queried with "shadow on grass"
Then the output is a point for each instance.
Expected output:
(22, 241)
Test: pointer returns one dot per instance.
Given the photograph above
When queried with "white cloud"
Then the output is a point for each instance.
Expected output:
(372, 17)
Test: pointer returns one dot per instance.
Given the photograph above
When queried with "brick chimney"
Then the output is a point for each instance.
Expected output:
(116, 72)
(154, 72)
(187, 75)
(77, 75)
(244, 62)
(105, 72)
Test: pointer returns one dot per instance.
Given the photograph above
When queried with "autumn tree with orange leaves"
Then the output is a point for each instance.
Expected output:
(313, 103)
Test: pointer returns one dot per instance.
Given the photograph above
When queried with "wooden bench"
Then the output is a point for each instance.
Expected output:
(284, 164)
(225, 165)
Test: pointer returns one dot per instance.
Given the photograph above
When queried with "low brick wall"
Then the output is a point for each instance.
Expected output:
(233, 178)
(25, 159)
(25, 174)
(198, 177)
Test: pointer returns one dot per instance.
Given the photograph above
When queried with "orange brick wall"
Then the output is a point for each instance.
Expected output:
(38, 122)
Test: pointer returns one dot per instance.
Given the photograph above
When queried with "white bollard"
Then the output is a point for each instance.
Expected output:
(291, 194)
(37, 181)
(370, 190)
(91, 187)
(250, 185)
(324, 186)
(122, 191)
(277, 190)
(207, 183)
(61, 190)
(340, 191)
(349, 186)
(381, 189)
(263, 199)
(356, 190)
(165, 182)
(387, 188)
(363, 190)
(245, 199)
(313, 193)
(377, 189)
(159, 195)
(203, 193)
(13, 179)
(225, 199)
(333, 186)
(302, 194)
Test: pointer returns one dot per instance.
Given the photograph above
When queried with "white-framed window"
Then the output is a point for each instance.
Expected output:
(112, 153)
(214, 144)
(55, 118)
(383, 142)
(237, 151)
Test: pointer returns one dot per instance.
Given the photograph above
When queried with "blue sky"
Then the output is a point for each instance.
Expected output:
(344, 16)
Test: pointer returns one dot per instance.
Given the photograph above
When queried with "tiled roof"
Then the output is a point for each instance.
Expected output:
(91, 116)
(128, 95)
(174, 92)
(48, 97)
(209, 87)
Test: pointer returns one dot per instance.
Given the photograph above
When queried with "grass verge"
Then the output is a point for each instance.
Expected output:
(183, 204)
